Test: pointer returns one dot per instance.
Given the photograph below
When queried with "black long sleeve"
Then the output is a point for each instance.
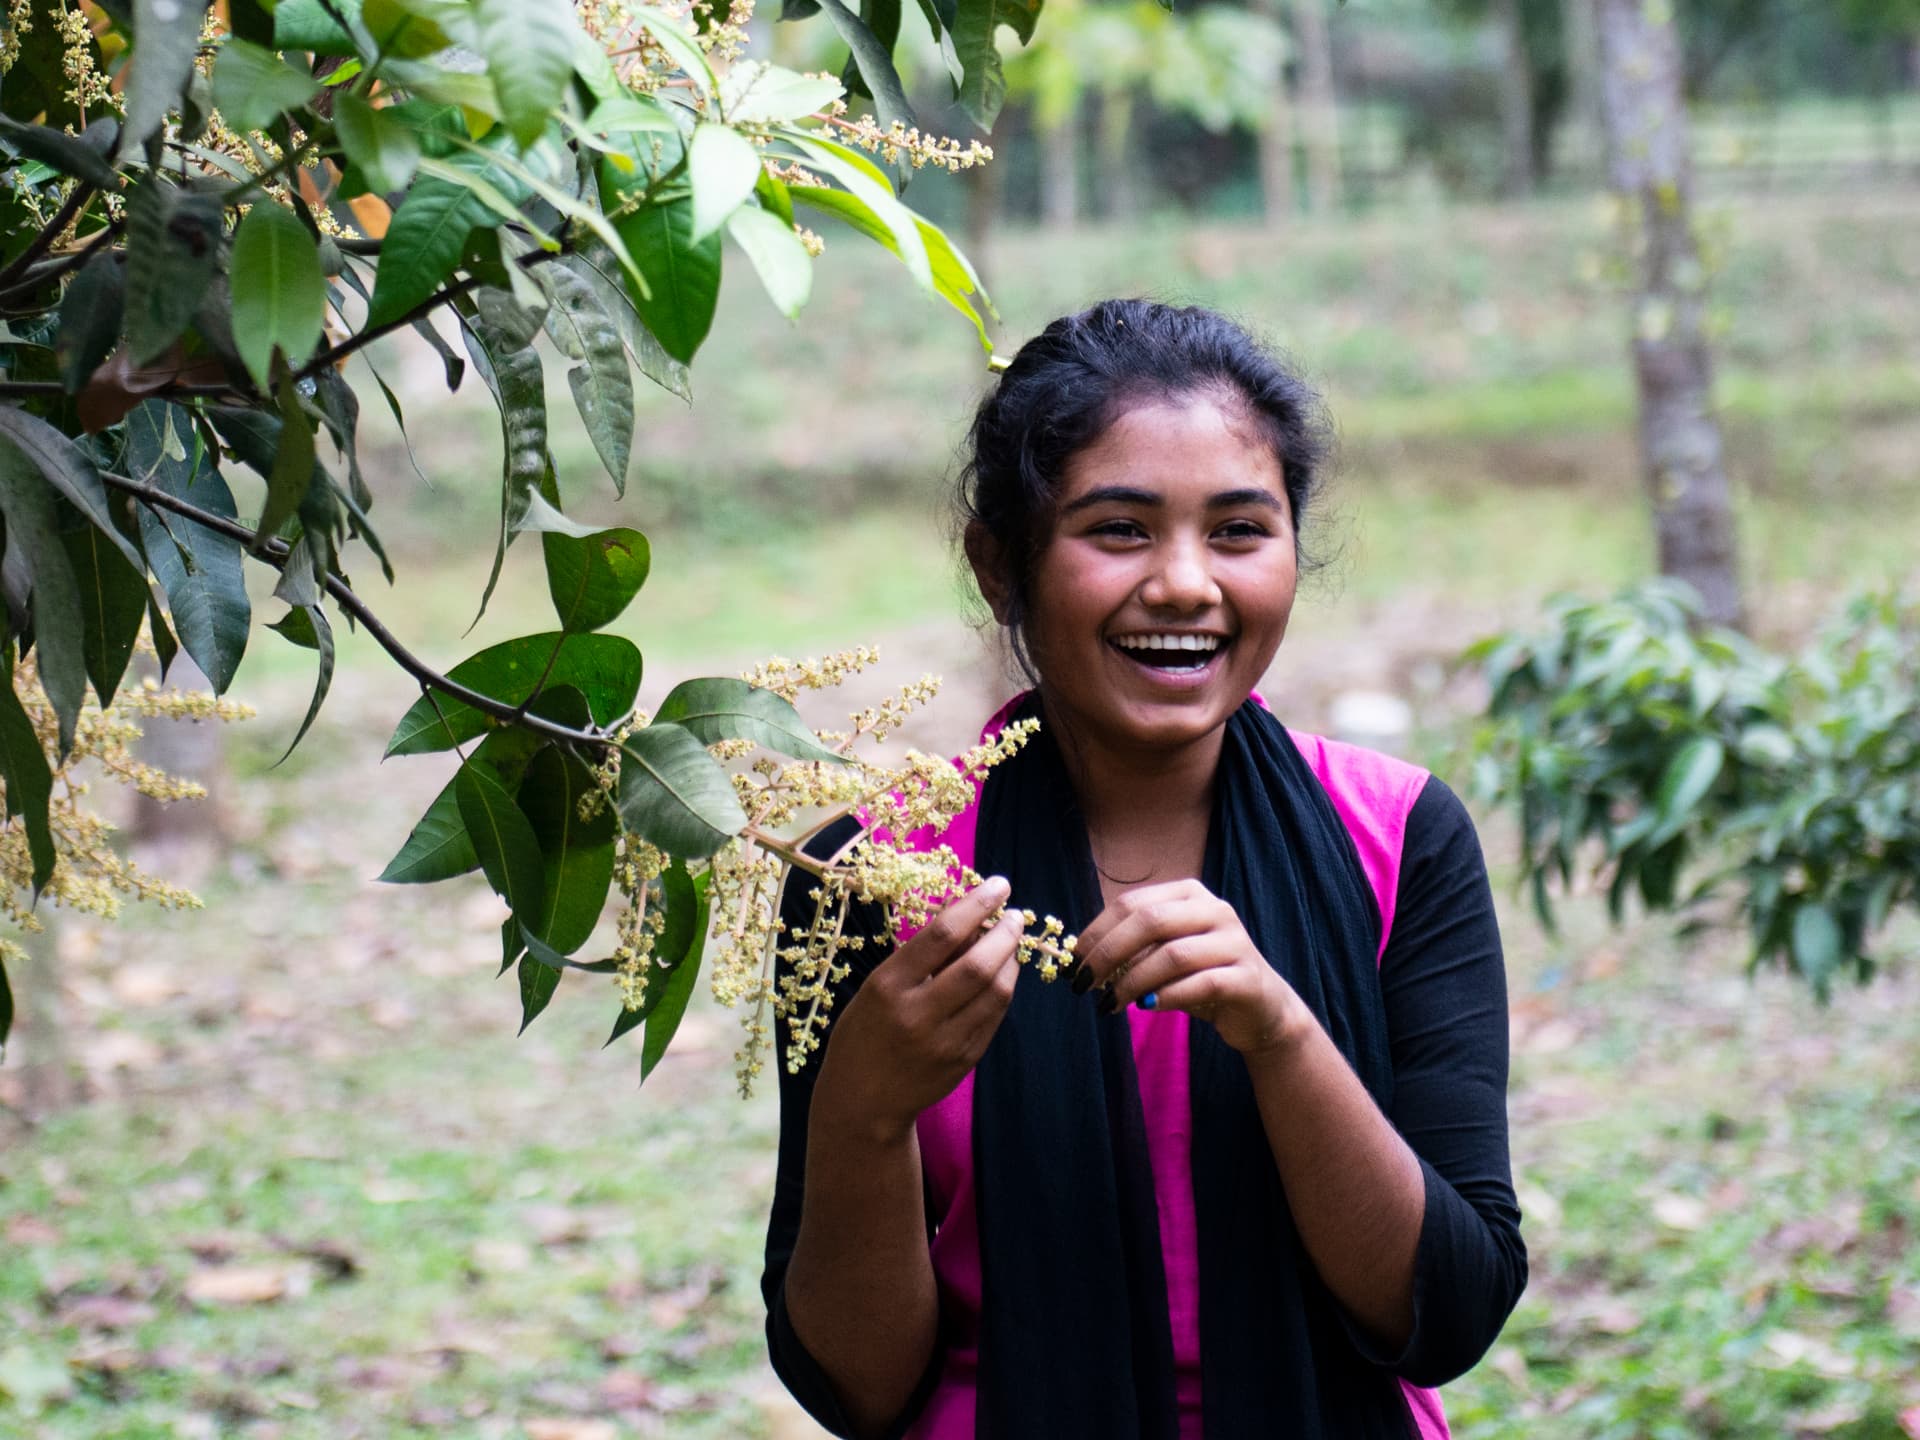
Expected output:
(1444, 982)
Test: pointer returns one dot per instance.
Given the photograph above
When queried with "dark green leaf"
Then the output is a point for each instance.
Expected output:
(90, 316)
(65, 466)
(1817, 942)
(314, 634)
(576, 855)
(173, 252)
(592, 580)
(604, 668)
(308, 25)
(721, 708)
(424, 242)
(438, 847)
(866, 184)
(279, 294)
(514, 376)
(340, 408)
(113, 602)
(206, 585)
(983, 86)
(166, 37)
(674, 794)
(252, 86)
(602, 386)
(502, 837)
(75, 155)
(1688, 778)
(871, 70)
(528, 47)
(380, 144)
(602, 270)
(29, 779)
(406, 30)
(684, 275)
(292, 475)
(36, 563)
(664, 1023)
(537, 984)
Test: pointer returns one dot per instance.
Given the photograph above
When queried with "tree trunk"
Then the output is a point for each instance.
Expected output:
(1060, 171)
(1580, 54)
(1117, 160)
(983, 185)
(1516, 100)
(1275, 142)
(192, 750)
(1319, 120)
(1647, 159)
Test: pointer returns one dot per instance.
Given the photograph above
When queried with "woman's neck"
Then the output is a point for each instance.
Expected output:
(1146, 810)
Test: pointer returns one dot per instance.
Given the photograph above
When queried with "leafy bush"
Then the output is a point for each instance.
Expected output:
(1691, 764)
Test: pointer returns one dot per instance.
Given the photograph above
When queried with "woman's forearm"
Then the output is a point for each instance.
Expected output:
(860, 1288)
(1355, 1188)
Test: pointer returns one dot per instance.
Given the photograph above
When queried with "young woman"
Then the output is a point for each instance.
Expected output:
(1246, 1174)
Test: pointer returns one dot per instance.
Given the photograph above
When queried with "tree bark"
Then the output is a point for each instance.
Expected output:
(1516, 99)
(1060, 171)
(1319, 118)
(1647, 158)
(1117, 160)
(1275, 142)
(1580, 47)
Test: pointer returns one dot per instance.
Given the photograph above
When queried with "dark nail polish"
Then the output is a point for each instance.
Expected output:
(1109, 1002)
(1082, 978)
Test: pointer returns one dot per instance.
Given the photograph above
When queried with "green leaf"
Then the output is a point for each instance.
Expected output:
(604, 668)
(380, 145)
(664, 1022)
(674, 794)
(1817, 943)
(537, 984)
(407, 30)
(438, 847)
(166, 37)
(722, 166)
(173, 252)
(293, 466)
(602, 385)
(66, 467)
(514, 377)
(90, 316)
(873, 55)
(310, 631)
(654, 362)
(680, 901)
(576, 855)
(869, 186)
(308, 25)
(682, 273)
(279, 294)
(719, 707)
(528, 47)
(200, 571)
(679, 45)
(425, 241)
(36, 563)
(502, 837)
(594, 578)
(29, 779)
(113, 602)
(983, 86)
(758, 94)
(777, 256)
(1689, 775)
(252, 86)
(75, 155)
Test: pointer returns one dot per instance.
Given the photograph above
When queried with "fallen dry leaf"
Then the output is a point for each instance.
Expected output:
(31, 1230)
(626, 1390)
(560, 1428)
(241, 1285)
(1680, 1212)
(102, 1312)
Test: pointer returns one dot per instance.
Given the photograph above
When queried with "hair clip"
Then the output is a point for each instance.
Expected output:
(998, 363)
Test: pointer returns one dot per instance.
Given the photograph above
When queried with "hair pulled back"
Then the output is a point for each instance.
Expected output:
(1072, 381)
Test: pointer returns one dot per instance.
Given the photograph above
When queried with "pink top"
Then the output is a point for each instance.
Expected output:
(1373, 795)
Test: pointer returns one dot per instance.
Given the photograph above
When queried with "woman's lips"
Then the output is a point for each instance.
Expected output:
(1183, 677)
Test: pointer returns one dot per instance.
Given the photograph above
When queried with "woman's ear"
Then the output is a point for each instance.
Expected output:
(988, 560)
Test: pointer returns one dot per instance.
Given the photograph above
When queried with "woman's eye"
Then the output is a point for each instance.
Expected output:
(1118, 529)
(1242, 530)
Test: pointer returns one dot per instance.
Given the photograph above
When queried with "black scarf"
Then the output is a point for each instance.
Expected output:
(1074, 1332)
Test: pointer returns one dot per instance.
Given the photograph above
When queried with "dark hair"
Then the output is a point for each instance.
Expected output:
(1074, 379)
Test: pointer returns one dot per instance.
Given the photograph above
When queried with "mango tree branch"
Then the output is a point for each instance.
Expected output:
(275, 553)
(50, 232)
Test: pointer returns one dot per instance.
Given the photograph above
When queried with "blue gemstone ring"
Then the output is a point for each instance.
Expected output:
(1149, 1001)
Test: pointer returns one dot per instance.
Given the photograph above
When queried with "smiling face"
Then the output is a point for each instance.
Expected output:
(1164, 588)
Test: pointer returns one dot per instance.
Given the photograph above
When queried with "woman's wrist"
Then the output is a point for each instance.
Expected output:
(853, 1113)
(1288, 1026)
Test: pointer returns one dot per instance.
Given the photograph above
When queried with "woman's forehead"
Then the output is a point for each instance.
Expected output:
(1178, 447)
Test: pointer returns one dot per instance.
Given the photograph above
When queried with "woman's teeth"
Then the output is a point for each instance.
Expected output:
(1168, 651)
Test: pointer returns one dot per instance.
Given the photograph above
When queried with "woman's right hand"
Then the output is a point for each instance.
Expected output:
(924, 1016)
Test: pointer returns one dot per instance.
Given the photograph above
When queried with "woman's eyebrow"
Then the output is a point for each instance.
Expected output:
(1131, 495)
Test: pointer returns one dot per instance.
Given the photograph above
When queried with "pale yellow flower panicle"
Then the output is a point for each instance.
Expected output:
(89, 875)
(772, 972)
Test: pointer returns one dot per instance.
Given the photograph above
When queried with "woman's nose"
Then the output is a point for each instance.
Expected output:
(1181, 580)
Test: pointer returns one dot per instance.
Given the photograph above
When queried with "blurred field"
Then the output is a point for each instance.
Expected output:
(317, 1189)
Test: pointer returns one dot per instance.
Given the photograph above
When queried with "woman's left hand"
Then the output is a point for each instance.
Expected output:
(1185, 946)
